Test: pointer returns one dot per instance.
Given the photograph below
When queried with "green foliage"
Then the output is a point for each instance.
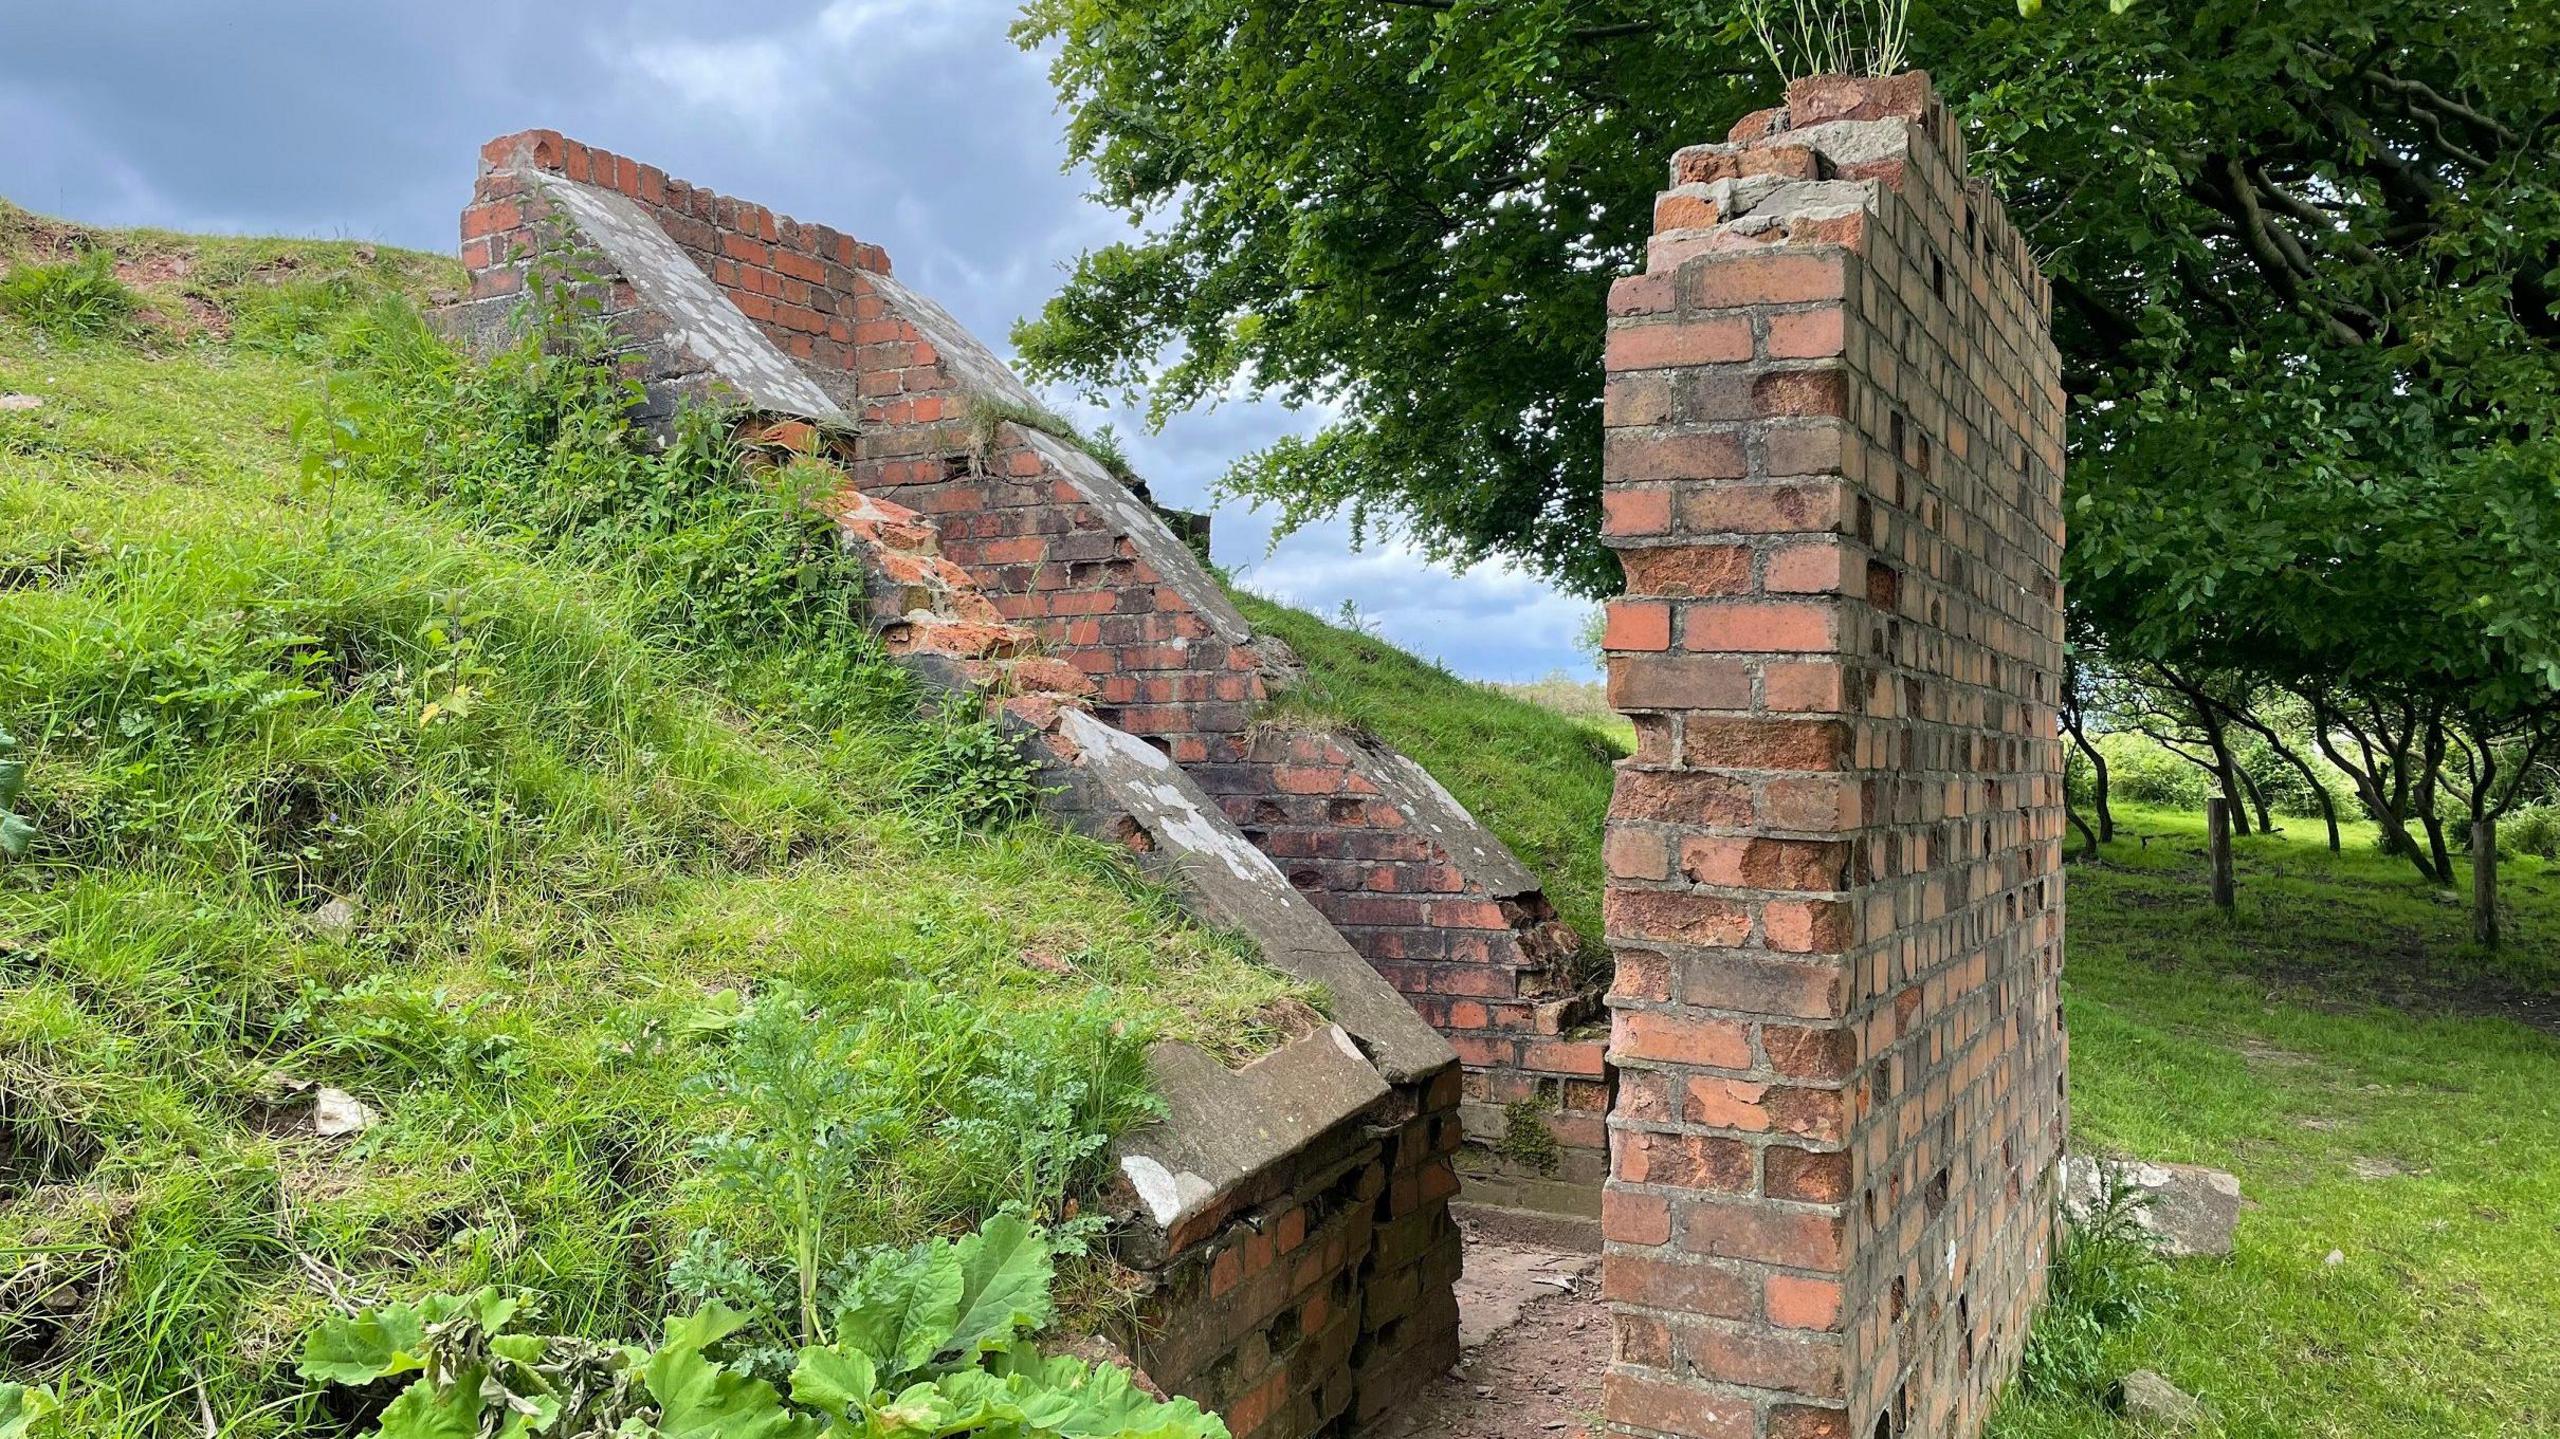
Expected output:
(824, 1104)
(485, 825)
(2382, 1090)
(16, 833)
(1349, 196)
(1526, 1138)
(73, 299)
(24, 1409)
(2533, 830)
(931, 1339)
(2106, 1274)
(2306, 261)
(1538, 779)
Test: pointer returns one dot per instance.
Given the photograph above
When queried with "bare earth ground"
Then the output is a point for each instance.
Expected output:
(1536, 1342)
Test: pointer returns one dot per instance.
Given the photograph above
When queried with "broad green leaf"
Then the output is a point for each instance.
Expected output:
(23, 1409)
(424, 1411)
(371, 1344)
(1005, 1269)
(699, 1399)
(904, 1307)
(836, 1380)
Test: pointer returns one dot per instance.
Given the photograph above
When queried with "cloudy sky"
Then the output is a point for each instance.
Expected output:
(915, 124)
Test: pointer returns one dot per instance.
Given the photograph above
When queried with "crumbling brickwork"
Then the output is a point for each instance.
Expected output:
(1074, 553)
(1833, 475)
(1288, 1221)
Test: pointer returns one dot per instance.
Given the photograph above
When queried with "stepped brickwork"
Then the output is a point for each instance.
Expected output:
(1076, 554)
(1833, 474)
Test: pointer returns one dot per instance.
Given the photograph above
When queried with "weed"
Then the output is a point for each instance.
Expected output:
(73, 299)
(932, 1339)
(1526, 1138)
(2106, 1274)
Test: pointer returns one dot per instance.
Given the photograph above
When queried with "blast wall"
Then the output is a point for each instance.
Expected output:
(1833, 475)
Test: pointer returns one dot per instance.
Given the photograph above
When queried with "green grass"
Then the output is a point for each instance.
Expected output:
(1538, 778)
(411, 758)
(2330, 1045)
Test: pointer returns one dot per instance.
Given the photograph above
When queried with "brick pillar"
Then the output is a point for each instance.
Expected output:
(1833, 475)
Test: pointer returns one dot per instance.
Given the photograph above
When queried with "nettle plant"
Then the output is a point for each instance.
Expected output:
(929, 1340)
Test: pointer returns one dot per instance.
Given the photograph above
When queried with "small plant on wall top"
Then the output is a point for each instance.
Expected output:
(1831, 37)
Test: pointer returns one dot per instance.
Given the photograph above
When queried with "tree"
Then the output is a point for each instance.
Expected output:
(2327, 221)
(1410, 210)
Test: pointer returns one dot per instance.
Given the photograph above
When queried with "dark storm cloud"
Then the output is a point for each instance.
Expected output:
(914, 123)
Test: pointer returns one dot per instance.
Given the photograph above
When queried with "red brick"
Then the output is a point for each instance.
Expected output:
(1805, 1421)
(1807, 334)
(1702, 1162)
(1636, 854)
(1799, 1303)
(1666, 343)
(1762, 509)
(1688, 570)
(1637, 625)
(1731, 281)
(1635, 456)
(1635, 512)
(1584, 1057)
(1803, 686)
(1673, 1038)
(1816, 1177)
(1677, 918)
(1817, 926)
(1685, 681)
(1675, 1408)
(1733, 743)
(1801, 392)
(1795, 627)
(1736, 862)
(1816, 569)
(1823, 1052)
(1627, 1217)
(1797, 1364)
(1751, 1229)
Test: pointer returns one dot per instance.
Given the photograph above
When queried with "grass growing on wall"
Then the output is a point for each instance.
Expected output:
(1539, 779)
(393, 736)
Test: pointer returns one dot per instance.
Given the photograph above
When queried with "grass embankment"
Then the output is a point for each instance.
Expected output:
(2335, 1044)
(427, 738)
(1539, 779)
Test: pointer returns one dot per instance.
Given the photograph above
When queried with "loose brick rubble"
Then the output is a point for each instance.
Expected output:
(1833, 474)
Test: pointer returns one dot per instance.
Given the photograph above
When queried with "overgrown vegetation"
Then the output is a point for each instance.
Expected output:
(930, 1339)
(1538, 779)
(451, 808)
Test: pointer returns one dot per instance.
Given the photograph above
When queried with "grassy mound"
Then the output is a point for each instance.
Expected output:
(417, 754)
(1538, 778)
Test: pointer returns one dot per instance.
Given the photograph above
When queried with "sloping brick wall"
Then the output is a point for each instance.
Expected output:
(1287, 1223)
(1833, 475)
(1060, 545)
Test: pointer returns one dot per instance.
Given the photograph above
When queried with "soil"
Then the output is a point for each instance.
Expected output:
(1536, 1340)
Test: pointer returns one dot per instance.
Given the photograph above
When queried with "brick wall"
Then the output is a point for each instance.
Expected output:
(1065, 548)
(1833, 476)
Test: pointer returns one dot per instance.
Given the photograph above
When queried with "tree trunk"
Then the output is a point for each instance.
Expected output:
(2484, 883)
(2217, 823)
(2257, 801)
(2088, 836)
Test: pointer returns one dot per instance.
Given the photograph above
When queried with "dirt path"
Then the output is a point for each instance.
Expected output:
(1536, 1340)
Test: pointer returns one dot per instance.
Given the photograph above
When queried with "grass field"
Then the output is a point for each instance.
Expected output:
(478, 761)
(2336, 1044)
